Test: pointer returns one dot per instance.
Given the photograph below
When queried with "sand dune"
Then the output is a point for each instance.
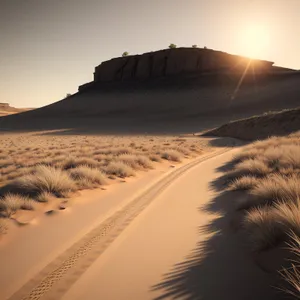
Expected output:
(260, 127)
(161, 106)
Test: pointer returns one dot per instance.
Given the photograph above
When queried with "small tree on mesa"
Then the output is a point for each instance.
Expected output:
(125, 54)
(194, 46)
(172, 46)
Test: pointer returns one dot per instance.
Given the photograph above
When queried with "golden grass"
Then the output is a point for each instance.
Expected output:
(288, 213)
(243, 183)
(278, 187)
(136, 162)
(120, 169)
(172, 155)
(46, 167)
(17, 158)
(11, 203)
(269, 171)
(253, 167)
(44, 197)
(267, 226)
(262, 228)
(45, 179)
(292, 274)
(94, 176)
(74, 162)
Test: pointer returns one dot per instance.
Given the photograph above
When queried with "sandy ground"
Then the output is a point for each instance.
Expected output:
(159, 237)
(22, 153)
(163, 254)
(54, 233)
(48, 236)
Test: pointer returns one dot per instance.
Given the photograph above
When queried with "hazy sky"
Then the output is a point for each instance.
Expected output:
(49, 47)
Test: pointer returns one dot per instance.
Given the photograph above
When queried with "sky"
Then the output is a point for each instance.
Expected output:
(50, 47)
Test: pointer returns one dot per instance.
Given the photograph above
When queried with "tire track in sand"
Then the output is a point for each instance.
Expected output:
(59, 275)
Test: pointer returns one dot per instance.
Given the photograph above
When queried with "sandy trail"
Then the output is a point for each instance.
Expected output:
(152, 249)
(164, 255)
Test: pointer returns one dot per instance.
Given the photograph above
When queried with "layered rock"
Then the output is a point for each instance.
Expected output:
(4, 105)
(173, 62)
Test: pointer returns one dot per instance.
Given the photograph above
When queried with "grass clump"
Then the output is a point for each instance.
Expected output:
(11, 203)
(74, 162)
(46, 179)
(144, 162)
(253, 167)
(119, 169)
(269, 171)
(263, 227)
(244, 183)
(278, 187)
(172, 155)
(292, 274)
(155, 157)
(88, 174)
(44, 197)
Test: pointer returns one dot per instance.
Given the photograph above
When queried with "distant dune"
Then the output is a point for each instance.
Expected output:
(180, 102)
(6, 109)
(260, 127)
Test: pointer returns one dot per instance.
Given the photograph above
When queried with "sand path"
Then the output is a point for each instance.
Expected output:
(162, 244)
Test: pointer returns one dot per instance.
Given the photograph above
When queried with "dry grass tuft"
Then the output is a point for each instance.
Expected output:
(247, 154)
(46, 179)
(155, 157)
(263, 228)
(277, 187)
(44, 197)
(74, 162)
(292, 274)
(253, 167)
(130, 160)
(144, 162)
(119, 169)
(244, 183)
(171, 155)
(88, 174)
(267, 226)
(28, 204)
(288, 213)
(11, 203)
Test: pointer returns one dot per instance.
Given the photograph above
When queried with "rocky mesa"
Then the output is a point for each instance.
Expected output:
(176, 61)
(6, 109)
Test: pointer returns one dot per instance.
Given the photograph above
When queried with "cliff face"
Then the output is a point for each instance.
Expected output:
(6, 109)
(173, 62)
(4, 105)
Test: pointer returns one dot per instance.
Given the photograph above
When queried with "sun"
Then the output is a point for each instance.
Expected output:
(255, 41)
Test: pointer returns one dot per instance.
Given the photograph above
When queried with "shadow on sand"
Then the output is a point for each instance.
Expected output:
(221, 266)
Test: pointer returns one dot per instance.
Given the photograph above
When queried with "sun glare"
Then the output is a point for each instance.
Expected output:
(255, 41)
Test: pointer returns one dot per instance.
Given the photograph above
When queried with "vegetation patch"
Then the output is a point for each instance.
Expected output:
(269, 172)
(39, 169)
